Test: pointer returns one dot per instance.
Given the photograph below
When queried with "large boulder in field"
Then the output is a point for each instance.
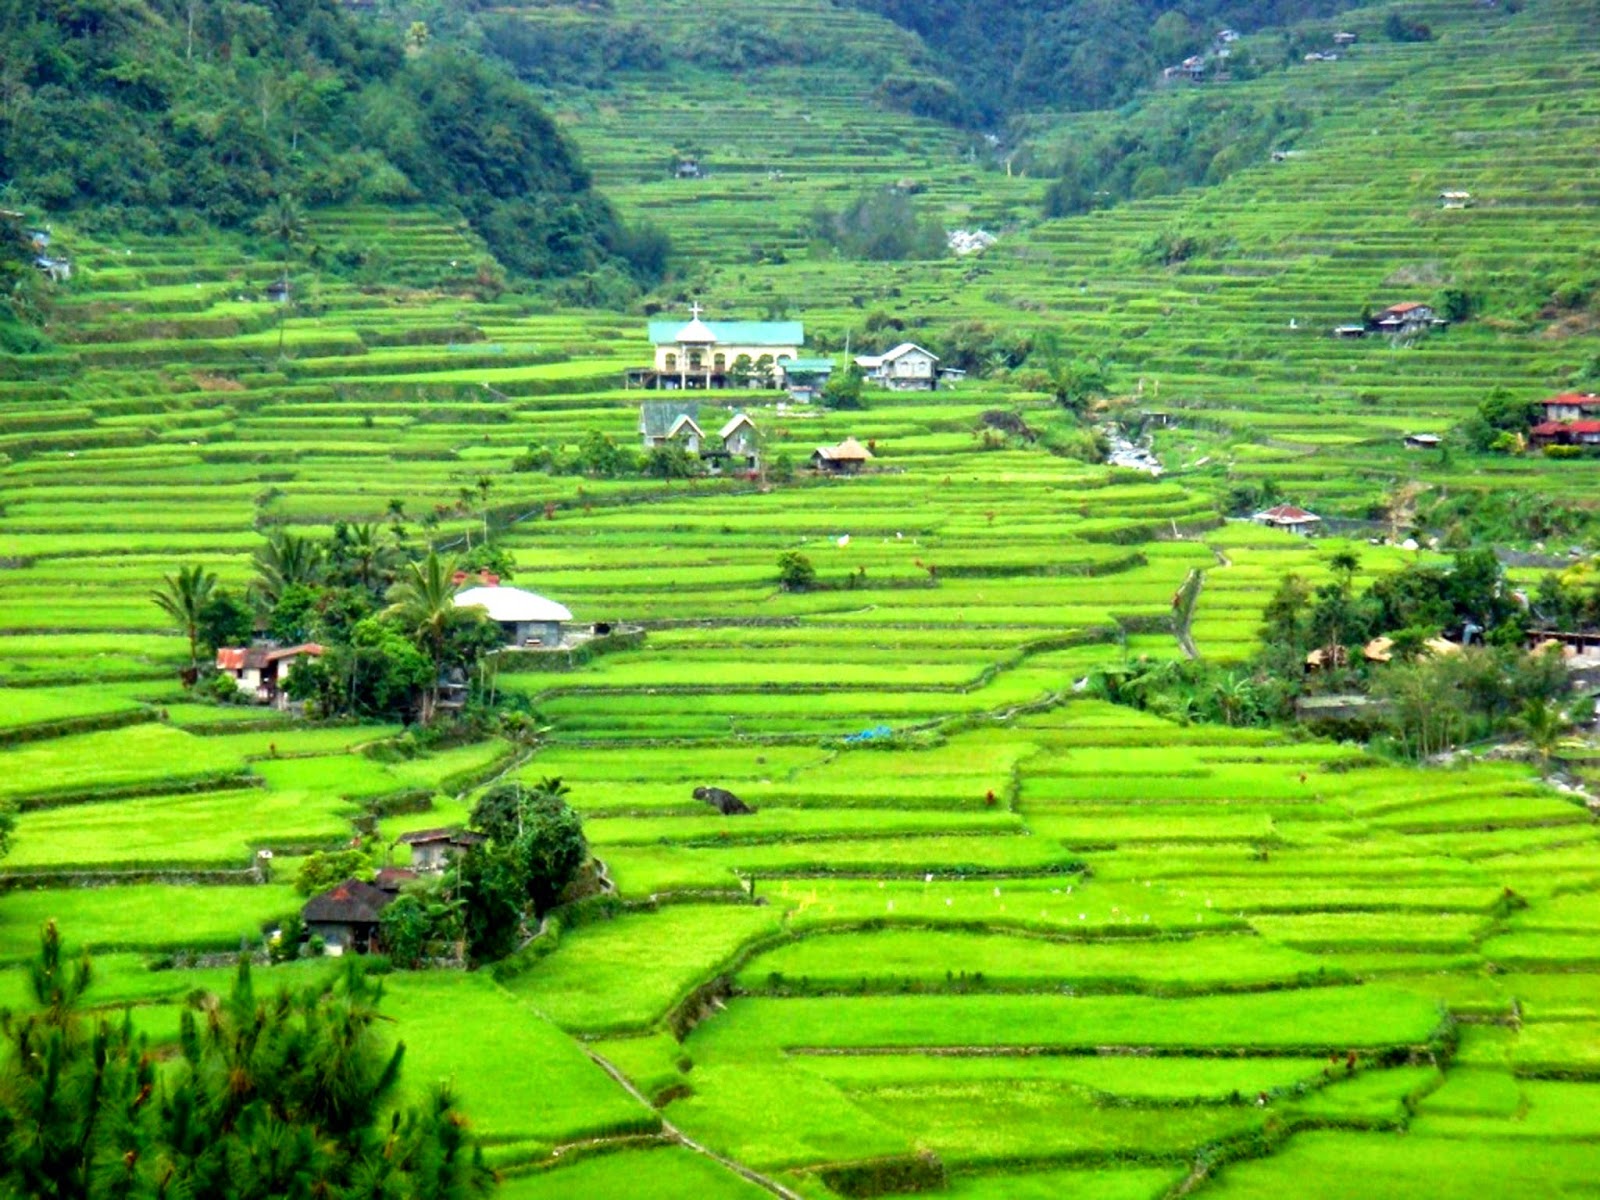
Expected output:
(721, 799)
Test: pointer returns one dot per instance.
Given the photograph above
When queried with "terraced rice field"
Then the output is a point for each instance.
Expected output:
(1031, 944)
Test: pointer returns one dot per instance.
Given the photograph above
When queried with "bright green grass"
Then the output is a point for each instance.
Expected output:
(142, 755)
(668, 1173)
(517, 1076)
(627, 972)
(214, 828)
(1334, 1017)
(1134, 1183)
(1343, 1166)
(31, 706)
(151, 916)
(891, 959)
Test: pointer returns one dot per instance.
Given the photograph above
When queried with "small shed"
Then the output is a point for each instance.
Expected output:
(1288, 518)
(346, 916)
(525, 617)
(846, 458)
(1381, 649)
(278, 291)
(1454, 199)
(1328, 658)
(1423, 441)
(59, 270)
(805, 377)
(739, 444)
(1345, 38)
(435, 849)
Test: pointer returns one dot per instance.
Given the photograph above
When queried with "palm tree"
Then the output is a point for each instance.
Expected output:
(1544, 724)
(485, 486)
(1236, 697)
(183, 597)
(1344, 566)
(285, 560)
(285, 220)
(367, 553)
(422, 601)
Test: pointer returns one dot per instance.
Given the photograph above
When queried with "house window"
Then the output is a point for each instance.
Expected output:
(720, 362)
(695, 361)
(672, 362)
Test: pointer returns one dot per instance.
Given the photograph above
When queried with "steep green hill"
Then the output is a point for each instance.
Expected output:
(984, 935)
(155, 115)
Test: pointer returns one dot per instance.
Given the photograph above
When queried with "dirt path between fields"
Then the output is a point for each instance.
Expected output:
(672, 1133)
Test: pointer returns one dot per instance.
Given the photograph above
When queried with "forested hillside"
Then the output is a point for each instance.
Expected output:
(161, 114)
(1011, 55)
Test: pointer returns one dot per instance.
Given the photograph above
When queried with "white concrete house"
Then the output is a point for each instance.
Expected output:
(906, 368)
(526, 618)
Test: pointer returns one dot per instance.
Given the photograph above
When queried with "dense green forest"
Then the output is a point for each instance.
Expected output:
(157, 114)
(1008, 56)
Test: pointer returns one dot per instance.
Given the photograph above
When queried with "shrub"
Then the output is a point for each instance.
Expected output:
(795, 572)
(324, 869)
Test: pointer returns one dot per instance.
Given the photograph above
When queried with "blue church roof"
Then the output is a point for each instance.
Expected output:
(735, 333)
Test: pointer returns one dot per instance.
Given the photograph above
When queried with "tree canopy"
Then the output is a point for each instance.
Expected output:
(155, 113)
(285, 1095)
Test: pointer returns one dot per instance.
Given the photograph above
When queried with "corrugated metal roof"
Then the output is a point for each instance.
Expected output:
(735, 333)
(657, 417)
(512, 604)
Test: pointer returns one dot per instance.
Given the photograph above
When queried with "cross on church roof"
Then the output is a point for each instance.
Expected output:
(695, 310)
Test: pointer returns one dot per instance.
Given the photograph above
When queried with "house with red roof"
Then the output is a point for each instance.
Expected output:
(1410, 316)
(1565, 433)
(1571, 406)
(1288, 518)
(261, 671)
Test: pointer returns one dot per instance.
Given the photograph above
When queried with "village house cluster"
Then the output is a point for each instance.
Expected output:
(1570, 419)
(346, 917)
(700, 354)
(713, 355)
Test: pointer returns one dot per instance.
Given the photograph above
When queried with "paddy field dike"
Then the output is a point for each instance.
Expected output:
(1031, 944)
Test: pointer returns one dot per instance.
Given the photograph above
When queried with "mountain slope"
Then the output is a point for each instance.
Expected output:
(153, 114)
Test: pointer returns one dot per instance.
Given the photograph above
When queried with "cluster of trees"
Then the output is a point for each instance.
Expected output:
(533, 849)
(1570, 599)
(882, 225)
(387, 622)
(160, 112)
(1162, 149)
(22, 296)
(1500, 423)
(1011, 55)
(292, 1094)
(1428, 701)
(1410, 606)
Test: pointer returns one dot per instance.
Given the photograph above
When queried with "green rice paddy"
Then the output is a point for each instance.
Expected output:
(1059, 947)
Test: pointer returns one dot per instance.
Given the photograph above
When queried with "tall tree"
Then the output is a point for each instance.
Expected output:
(284, 1095)
(422, 603)
(287, 559)
(1544, 724)
(183, 597)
